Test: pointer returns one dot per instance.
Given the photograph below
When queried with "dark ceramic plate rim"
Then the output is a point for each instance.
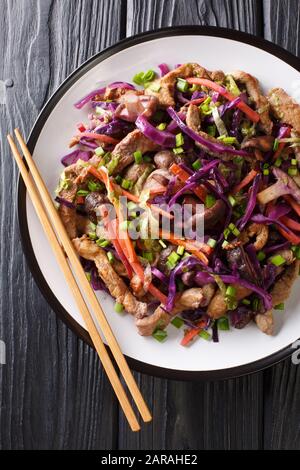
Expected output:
(22, 213)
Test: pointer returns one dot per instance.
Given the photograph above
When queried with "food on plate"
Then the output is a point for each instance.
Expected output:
(182, 198)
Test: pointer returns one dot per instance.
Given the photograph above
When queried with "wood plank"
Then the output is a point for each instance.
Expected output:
(219, 415)
(53, 392)
(282, 382)
(145, 15)
(282, 20)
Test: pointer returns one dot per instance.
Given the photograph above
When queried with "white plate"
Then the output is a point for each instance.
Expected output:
(239, 351)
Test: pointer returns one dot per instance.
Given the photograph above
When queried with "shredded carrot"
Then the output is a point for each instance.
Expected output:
(291, 237)
(183, 175)
(102, 176)
(196, 248)
(250, 177)
(190, 334)
(295, 205)
(112, 228)
(198, 101)
(253, 115)
(290, 223)
(80, 199)
(102, 137)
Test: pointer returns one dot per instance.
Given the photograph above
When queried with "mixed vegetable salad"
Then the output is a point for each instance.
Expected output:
(187, 137)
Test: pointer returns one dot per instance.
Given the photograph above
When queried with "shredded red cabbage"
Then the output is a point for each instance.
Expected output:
(262, 219)
(64, 202)
(164, 138)
(212, 146)
(89, 97)
(125, 85)
(161, 276)
(251, 203)
(74, 156)
(164, 69)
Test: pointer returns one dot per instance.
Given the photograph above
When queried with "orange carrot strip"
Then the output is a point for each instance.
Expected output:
(253, 115)
(190, 334)
(191, 246)
(290, 223)
(102, 137)
(295, 205)
(184, 176)
(198, 101)
(80, 199)
(291, 237)
(102, 176)
(245, 181)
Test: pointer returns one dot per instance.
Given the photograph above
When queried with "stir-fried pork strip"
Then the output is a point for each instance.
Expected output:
(285, 108)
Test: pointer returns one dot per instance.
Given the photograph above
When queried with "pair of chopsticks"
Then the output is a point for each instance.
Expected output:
(62, 246)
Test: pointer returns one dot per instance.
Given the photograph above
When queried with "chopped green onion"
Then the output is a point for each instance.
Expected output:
(193, 88)
(296, 250)
(266, 172)
(173, 258)
(126, 184)
(82, 192)
(118, 179)
(246, 302)
(228, 140)
(197, 165)
(179, 140)
(261, 256)
(234, 229)
(210, 201)
(99, 151)
(178, 150)
(232, 86)
(149, 76)
(180, 250)
(294, 161)
(232, 200)
(102, 243)
(226, 233)
(279, 306)
(119, 307)
(161, 126)
(110, 257)
(131, 206)
(92, 235)
(231, 291)
(255, 304)
(88, 276)
(160, 335)
(138, 156)
(94, 186)
(292, 171)
(177, 322)
(112, 165)
(278, 162)
(211, 130)
(225, 243)
(147, 159)
(277, 260)
(155, 87)
(182, 85)
(141, 78)
(148, 256)
(204, 335)
(223, 324)
(212, 242)
(162, 243)
(275, 145)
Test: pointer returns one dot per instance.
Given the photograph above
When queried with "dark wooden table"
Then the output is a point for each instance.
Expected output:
(53, 392)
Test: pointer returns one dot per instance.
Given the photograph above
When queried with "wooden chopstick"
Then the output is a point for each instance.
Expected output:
(69, 249)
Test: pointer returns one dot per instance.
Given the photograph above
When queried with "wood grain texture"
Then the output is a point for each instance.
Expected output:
(53, 391)
(282, 382)
(144, 15)
(282, 23)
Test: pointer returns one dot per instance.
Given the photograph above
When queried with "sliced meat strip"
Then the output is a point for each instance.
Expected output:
(190, 299)
(218, 307)
(261, 103)
(132, 105)
(125, 149)
(116, 286)
(167, 83)
(193, 122)
(115, 94)
(285, 108)
(280, 292)
(135, 171)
